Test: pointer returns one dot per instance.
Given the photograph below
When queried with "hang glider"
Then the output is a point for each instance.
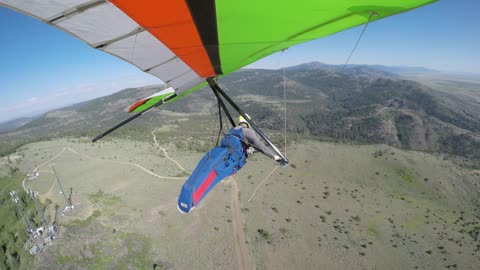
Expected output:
(188, 43)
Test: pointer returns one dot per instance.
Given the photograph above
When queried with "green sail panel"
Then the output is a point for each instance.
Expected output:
(249, 30)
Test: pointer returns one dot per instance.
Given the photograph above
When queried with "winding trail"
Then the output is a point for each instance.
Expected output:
(241, 248)
(168, 157)
(49, 192)
(38, 167)
(128, 163)
(52, 159)
(99, 159)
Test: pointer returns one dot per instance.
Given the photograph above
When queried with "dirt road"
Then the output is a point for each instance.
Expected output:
(241, 248)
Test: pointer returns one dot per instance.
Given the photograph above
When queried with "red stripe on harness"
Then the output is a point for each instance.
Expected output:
(197, 195)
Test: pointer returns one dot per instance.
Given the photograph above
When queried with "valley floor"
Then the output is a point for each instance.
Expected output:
(335, 207)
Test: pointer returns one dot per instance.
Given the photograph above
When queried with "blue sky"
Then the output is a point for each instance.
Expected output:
(42, 67)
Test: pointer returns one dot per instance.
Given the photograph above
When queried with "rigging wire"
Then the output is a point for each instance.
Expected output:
(274, 169)
(285, 103)
(372, 14)
(285, 128)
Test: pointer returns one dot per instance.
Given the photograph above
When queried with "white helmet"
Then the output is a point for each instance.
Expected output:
(242, 120)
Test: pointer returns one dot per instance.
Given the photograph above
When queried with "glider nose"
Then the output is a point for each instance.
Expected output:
(183, 207)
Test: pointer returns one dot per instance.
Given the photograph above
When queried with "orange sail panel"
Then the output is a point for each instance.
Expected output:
(172, 24)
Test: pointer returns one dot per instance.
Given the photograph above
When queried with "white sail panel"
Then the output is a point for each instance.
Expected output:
(43, 9)
(142, 49)
(98, 24)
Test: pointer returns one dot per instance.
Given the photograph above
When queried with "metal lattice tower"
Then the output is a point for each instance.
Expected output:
(33, 195)
(32, 172)
(16, 200)
(69, 206)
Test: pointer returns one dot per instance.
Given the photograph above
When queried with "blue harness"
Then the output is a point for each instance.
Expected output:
(220, 162)
(233, 140)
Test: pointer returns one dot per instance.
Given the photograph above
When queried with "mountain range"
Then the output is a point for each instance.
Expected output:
(11, 125)
(356, 103)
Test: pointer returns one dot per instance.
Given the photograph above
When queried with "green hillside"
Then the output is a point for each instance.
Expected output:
(358, 104)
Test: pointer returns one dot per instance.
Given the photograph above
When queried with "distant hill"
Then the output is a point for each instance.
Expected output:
(376, 70)
(389, 69)
(355, 70)
(357, 104)
(312, 66)
(14, 124)
(403, 69)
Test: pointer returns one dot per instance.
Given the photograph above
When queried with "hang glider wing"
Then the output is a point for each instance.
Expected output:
(184, 42)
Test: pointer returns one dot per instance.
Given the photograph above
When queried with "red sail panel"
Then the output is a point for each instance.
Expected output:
(172, 24)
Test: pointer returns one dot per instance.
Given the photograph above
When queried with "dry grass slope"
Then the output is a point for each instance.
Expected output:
(336, 207)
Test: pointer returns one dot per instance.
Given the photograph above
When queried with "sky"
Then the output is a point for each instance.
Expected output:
(42, 67)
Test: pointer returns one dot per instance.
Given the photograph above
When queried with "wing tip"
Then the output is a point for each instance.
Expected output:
(136, 105)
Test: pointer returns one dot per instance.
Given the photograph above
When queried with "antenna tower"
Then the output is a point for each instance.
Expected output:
(69, 208)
